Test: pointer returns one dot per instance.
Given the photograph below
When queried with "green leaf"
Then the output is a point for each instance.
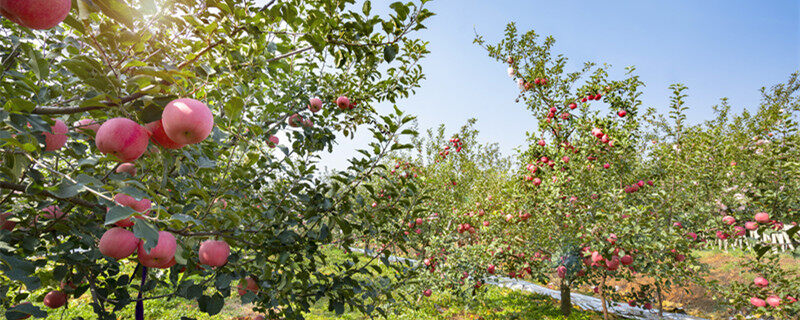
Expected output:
(19, 105)
(211, 305)
(366, 8)
(24, 311)
(20, 270)
(146, 231)
(117, 10)
(118, 213)
(67, 189)
(233, 108)
(390, 51)
(134, 192)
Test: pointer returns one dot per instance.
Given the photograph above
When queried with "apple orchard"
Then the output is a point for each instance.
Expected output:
(161, 149)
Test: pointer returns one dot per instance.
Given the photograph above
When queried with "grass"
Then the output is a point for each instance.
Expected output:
(496, 303)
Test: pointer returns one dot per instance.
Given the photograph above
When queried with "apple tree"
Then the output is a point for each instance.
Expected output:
(155, 149)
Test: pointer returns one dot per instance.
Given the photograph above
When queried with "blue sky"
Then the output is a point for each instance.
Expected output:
(717, 48)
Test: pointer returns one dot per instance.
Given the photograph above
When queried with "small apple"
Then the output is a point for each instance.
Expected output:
(622, 113)
(161, 254)
(55, 299)
(187, 121)
(343, 102)
(122, 138)
(88, 127)
(273, 141)
(758, 303)
(128, 168)
(761, 282)
(118, 243)
(36, 14)
(57, 139)
(214, 253)
(762, 217)
(159, 136)
(315, 105)
(247, 284)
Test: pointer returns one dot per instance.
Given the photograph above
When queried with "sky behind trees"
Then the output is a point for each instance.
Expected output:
(719, 48)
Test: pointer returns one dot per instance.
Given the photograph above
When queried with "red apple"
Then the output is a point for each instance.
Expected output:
(273, 141)
(36, 14)
(159, 136)
(161, 254)
(87, 126)
(773, 301)
(55, 299)
(314, 104)
(542, 143)
(490, 269)
(128, 168)
(561, 271)
(573, 106)
(122, 138)
(758, 302)
(762, 217)
(626, 260)
(57, 139)
(246, 285)
(427, 292)
(622, 113)
(295, 120)
(729, 220)
(761, 282)
(118, 243)
(214, 253)
(187, 121)
(5, 224)
(751, 225)
(343, 102)
(52, 212)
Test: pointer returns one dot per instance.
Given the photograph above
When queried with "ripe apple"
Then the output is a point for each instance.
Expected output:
(762, 217)
(573, 106)
(5, 224)
(427, 292)
(343, 102)
(57, 139)
(52, 212)
(751, 225)
(295, 120)
(758, 302)
(55, 299)
(161, 254)
(542, 143)
(729, 220)
(761, 282)
(740, 231)
(490, 269)
(159, 136)
(87, 126)
(122, 138)
(773, 301)
(214, 253)
(315, 105)
(187, 121)
(118, 243)
(247, 284)
(626, 260)
(128, 168)
(613, 263)
(36, 14)
(273, 141)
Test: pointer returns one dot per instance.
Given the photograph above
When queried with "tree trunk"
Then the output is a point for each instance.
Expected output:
(566, 302)
(603, 298)
(660, 300)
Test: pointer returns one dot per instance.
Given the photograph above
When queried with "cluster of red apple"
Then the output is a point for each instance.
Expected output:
(760, 218)
(596, 259)
(465, 227)
(635, 187)
(457, 144)
(773, 300)
(604, 138)
(409, 171)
